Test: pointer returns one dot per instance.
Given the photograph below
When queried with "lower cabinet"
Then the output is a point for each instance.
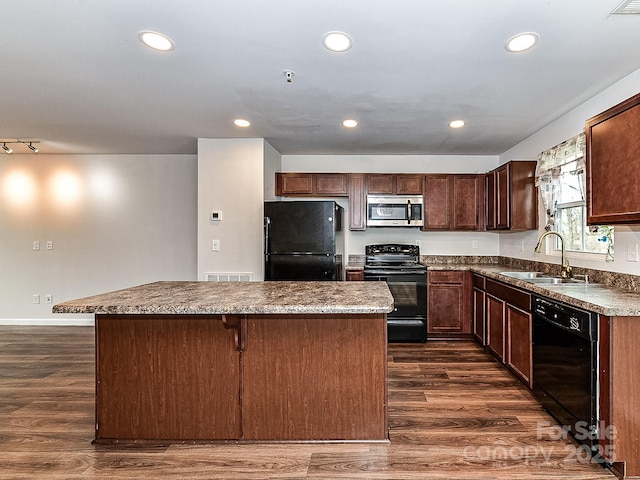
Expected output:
(448, 304)
(478, 319)
(518, 344)
(495, 325)
(354, 275)
(509, 328)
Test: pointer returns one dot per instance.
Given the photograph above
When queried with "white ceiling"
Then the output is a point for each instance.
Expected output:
(74, 76)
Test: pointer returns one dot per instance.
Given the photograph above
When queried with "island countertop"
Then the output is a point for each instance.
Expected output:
(225, 298)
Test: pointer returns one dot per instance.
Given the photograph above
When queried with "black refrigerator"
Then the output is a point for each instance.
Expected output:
(303, 240)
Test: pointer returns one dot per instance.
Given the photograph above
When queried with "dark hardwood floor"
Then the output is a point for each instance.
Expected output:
(454, 413)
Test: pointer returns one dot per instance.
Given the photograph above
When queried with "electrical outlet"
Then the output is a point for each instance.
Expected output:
(632, 252)
(49, 244)
(215, 245)
(36, 244)
(49, 298)
(475, 244)
(36, 298)
(522, 246)
(418, 243)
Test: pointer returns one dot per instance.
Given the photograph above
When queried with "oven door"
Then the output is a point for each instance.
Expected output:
(409, 292)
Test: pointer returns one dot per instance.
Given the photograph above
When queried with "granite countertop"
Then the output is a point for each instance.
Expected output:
(221, 298)
(595, 297)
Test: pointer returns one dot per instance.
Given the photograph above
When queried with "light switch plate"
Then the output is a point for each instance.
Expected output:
(632, 252)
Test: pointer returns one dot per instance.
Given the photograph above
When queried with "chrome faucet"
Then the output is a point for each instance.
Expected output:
(566, 268)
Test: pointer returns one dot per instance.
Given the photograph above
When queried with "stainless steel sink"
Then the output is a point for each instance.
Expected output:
(523, 275)
(542, 278)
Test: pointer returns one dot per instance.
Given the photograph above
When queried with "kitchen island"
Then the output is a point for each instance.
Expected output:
(240, 361)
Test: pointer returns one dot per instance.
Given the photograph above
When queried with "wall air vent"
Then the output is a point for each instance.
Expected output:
(627, 7)
(228, 277)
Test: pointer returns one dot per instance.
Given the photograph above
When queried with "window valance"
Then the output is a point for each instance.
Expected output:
(550, 167)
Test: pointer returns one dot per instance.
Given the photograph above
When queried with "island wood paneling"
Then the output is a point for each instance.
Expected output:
(315, 377)
(166, 377)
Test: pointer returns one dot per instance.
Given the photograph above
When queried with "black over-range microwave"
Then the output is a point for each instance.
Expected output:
(395, 211)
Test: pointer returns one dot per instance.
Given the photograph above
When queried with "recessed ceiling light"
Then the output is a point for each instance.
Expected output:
(156, 40)
(337, 41)
(522, 42)
(350, 123)
(457, 123)
(241, 122)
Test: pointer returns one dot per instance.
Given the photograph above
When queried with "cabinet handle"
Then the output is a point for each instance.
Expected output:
(239, 326)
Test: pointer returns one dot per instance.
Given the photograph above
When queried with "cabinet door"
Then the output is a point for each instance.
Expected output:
(502, 197)
(613, 160)
(380, 183)
(468, 205)
(437, 202)
(357, 203)
(409, 184)
(294, 184)
(331, 184)
(448, 303)
(495, 325)
(490, 199)
(355, 275)
(519, 336)
(479, 329)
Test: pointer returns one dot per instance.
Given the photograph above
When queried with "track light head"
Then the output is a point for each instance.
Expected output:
(7, 149)
(32, 148)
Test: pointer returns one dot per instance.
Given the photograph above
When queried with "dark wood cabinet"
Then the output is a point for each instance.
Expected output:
(511, 197)
(394, 184)
(437, 202)
(468, 202)
(357, 202)
(448, 303)
(354, 275)
(509, 328)
(612, 160)
(495, 325)
(312, 184)
(478, 318)
(519, 354)
(454, 202)
(409, 184)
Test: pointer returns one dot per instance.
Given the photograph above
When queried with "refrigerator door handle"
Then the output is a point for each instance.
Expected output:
(267, 225)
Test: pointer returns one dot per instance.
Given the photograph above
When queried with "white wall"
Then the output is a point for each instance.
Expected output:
(556, 132)
(114, 220)
(432, 243)
(231, 178)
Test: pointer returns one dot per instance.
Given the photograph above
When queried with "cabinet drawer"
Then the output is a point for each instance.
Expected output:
(479, 281)
(511, 295)
(446, 277)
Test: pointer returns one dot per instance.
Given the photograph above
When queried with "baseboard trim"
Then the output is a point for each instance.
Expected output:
(48, 322)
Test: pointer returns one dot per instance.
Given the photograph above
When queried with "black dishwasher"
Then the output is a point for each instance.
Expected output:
(565, 368)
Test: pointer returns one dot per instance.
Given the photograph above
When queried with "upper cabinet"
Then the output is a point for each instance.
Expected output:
(612, 157)
(318, 184)
(454, 202)
(511, 197)
(394, 184)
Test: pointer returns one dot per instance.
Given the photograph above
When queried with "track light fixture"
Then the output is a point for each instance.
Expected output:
(29, 145)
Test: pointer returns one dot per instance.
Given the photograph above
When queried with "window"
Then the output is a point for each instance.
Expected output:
(571, 215)
(561, 178)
